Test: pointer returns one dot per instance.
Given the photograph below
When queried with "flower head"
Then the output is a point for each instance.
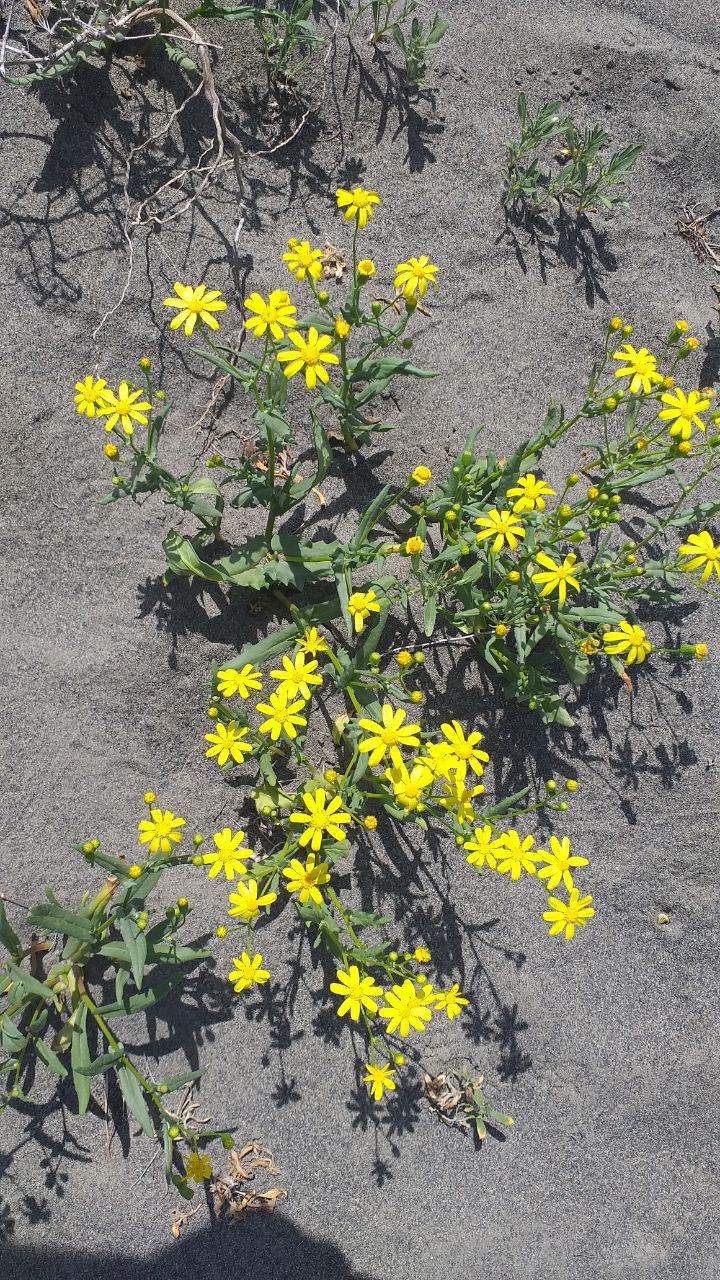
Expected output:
(193, 303)
(630, 640)
(529, 492)
(297, 676)
(420, 475)
(463, 750)
(197, 1167)
(640, 367)
(683, 412)
(703, 555)
(455, 795)
(414, 276)
(247, 971)
(282, 716)
(379, 1078)
(304, 879)
(422, 955)
(566, 917)
(320, 819)
(408, 785)
(123, 407)
(414, 546)
(366, 268)
(557, 577)
(360, 605)
(406, 1007)
(227, 855)
(89, 395)
(357, 993)
(231, 682)
(388, 734)
(502, 527)
(356, 203)
(245, 901)
(159, 831)
(228, 742)
(309, 354)
(485, 847)
(559, 863)
(451, 1001)
(516, 855)
(312, 642)
(301, 260)
(276, 314)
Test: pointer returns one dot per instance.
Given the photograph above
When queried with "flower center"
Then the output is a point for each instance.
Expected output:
(389, 737)
(311, 355)
(637, 635)
(361, 199)
(281, 714)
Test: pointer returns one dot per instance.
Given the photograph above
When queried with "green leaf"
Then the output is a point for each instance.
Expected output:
(80, 1058)
(144, 999)
(429, 615)
(136, 943)
(11, 1037)
(8, 936)
(366, 919)
(52, 918)
(101, 1064)
(185, 1077)
(181, 1186)
(28, 982)
(50, 1058)
(135, 1098)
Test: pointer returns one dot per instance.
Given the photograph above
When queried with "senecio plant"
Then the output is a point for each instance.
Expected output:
(87, 967)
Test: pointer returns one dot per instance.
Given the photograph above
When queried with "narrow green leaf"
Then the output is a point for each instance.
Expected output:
(8, 936)
(144, 999)
(135, 1098)
(136, 943)
(50, 1058)
(101, 1064)
(52, 918)
(80, 1058)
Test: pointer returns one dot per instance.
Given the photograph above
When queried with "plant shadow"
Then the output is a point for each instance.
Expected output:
(570, 239)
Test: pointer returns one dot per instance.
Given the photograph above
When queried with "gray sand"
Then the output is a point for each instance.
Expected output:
(604, 1050)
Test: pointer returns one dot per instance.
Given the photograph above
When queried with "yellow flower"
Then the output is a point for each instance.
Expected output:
(640, 367)
(388, 733)
(309, 354)
(149, 797)
(460, 798)
(421, 475)
(484, 848)
(110, 450)
(404, 658)
(320, 819)
(370, 822)
(360, 605)
(247, 971)
(228, 741)
(277, 314)
(683, 412)
(692, 343)
(408, 786)
(379, 1078)
(681, 326)
(530, 492)
(414, 546)
(422, 955)
(558, 576)
(160, 830)
(438, 760)
(414, 276)
(589, 646)
(304, 880)
(366, 267)
(124, 406)
(342, 328)
(281, 717)
(89, 395)
(301, 260)
(231, 682)
(227, 855)
(197, 1167)
(515, 855)
(700, 651)
(565, 917)
(357, 203)
(135, 871)
(559, 863)
(357, 993)
(406, 1007)
(463, 750)
(705, 554)
(630, 640)
(246, 902)
(193, 303)
(297, 676)
(312, 642)
(451, 1001)
(502, 527)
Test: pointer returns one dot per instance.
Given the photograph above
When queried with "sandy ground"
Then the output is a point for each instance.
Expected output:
(605, 1051)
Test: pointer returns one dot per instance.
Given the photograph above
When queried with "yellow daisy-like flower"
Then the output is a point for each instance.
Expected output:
(408, 785)
(460, 798)
(360, 605)
(297, 676)
(160, 830)
(89, 395)
(704, 555)
(683, 412)
(451, 1001)
(406, 1007)
(197, 1167)
(502, 527)
(414, 276)
(388, 734)
(231, 682)
(304, 880)
(640, 366)
(463, 750)
(356, 203)
(379, 1078)
(245, 901)
(438, 760)
(247, 971)
(366, 268)
(422, 955)
(282, 717)
(227, 855)
(558, 577)
(301, 260)
(357, 993)
(566, 917)
(195, 303)
(123, 407)
(420, 475)
(342, 327)
(414, 546)
(276, 314)
(559, 863)
(228, 742)
(312, 642)
(484, 848)
(309, 354)
(320, 819)
(630, 640)
(530, 492)
(516, 855)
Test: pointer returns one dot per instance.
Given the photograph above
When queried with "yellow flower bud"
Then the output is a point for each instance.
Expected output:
(212, 712)
(134, 871)
(110, 450)
(416, 696)
(593, 492)
(615, 323)
(513, 576)
(182, 903)
(366, 267)
(571, 785)
(370, 822)
(403, 658)
(681, 326)
(221, 931)
(684, 446)
(501, 630)
(149, 797)
(330, 775)
(692, 343)
(342, 328)
(700, 651)
(420, 475)
(414, 546)
(144, 363)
